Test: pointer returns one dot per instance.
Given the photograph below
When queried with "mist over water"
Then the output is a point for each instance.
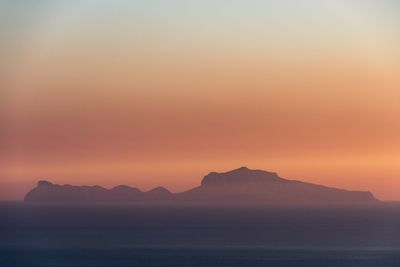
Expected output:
(199, 235)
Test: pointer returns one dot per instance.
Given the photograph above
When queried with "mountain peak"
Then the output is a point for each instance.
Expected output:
(124, 189)
(44, 183)
(159, 190)
(242, 175)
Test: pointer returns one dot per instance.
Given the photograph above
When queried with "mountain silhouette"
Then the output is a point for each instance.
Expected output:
(237, 186)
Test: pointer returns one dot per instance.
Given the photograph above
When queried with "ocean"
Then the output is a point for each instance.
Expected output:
(199, 235)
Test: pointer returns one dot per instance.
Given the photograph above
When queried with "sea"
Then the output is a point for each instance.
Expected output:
(145, 235)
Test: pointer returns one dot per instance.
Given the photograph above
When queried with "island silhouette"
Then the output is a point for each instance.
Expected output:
(241, 185)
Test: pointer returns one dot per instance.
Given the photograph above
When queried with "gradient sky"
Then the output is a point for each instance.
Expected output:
(150, 93)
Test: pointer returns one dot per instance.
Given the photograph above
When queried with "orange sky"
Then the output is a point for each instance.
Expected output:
(164, 98)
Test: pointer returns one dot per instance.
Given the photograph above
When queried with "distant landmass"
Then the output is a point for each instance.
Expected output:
(237, 186)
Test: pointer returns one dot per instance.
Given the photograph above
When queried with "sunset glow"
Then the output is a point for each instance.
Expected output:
(150, 93)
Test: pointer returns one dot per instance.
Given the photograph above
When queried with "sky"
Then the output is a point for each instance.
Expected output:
(149, 93)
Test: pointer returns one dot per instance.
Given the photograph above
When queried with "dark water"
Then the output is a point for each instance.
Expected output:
(132, 235)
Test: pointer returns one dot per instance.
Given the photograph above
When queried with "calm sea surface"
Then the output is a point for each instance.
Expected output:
(145, 235)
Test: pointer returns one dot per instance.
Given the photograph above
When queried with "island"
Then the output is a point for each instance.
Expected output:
(239, 186)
